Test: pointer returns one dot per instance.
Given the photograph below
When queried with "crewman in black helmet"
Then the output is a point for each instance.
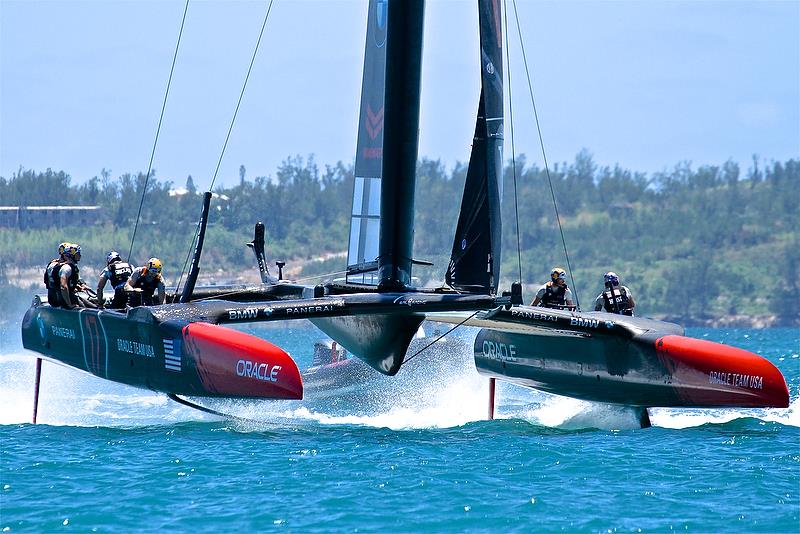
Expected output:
(117, 272)
(615, 298)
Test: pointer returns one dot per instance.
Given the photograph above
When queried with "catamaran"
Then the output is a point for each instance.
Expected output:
(183, 348)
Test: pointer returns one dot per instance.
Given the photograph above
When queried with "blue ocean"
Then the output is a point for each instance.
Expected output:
(419, 457)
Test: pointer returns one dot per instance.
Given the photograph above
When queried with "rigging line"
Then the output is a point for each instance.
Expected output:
(241, 95)
(513, 151)
(228, 294)
(158, 130)
(241, 291)
(313, 277)
(438, 338)
(230, 129)
(544, 155)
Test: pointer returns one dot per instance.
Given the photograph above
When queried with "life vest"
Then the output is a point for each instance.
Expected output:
(53, 276)
(616, 300)
(48, 271)
(554, 295)
(53, 282)
(119, 271)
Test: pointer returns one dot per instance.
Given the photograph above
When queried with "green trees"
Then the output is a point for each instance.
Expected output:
(691, 243)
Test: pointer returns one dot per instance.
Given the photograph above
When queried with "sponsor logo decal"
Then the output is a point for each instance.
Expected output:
(172, 357)
(499, 351)
(372, 153)
(533, 315)
(258, 371)
(60, 331)
(42, 329)
(580, 321)
(408, 301)
(134, 347)
(248, 313)
(736, 380)
(305, 310)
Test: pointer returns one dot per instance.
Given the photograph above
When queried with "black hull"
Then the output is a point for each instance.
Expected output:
(623, 360)
(174, 356)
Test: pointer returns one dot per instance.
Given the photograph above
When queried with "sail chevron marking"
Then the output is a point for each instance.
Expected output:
(374, 122)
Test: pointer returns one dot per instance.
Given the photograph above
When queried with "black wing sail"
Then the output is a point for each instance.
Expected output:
(475, 261)
(381, 340)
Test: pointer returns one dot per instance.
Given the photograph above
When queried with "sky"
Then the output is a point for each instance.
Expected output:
(643, 84)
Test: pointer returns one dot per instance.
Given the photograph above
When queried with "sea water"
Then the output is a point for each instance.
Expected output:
(110, 458)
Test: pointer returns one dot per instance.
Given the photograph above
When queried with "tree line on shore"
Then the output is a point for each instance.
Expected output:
(694, 245)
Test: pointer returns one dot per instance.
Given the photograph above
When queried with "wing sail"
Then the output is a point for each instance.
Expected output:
(475, 260)
(365, 216)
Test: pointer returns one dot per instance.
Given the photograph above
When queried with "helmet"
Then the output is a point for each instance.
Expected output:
(558, 273)
(72, 251)
(62, 247)
(112, 257)
(154, 266)
(611, 278)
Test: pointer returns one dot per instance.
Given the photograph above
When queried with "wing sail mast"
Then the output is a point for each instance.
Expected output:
(381, 243)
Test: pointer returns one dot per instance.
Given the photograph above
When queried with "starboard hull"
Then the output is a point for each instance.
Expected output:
(637, 362)
(177, 357)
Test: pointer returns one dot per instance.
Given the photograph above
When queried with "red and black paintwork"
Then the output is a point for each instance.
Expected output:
(181, 349)
(172, 356)
(623, 360)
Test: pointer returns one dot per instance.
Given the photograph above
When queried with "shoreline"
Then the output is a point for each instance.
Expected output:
(27, 282)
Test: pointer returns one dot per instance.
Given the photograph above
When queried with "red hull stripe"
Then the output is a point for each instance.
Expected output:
(713, 374)
(232, 363)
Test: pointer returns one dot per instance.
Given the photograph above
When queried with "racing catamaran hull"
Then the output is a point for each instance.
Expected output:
(172, 356)
(179, 348)
(623, 360)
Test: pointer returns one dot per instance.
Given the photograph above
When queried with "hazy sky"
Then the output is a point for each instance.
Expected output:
(646, 84)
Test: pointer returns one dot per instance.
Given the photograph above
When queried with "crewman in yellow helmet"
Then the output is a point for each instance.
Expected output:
(147, 279)
(555, 293)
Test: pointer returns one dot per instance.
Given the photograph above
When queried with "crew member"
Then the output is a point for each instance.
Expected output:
(117, 272)
(555, 293)
(62, 278)
(615, 298)
(147, 279)
(53, 293)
